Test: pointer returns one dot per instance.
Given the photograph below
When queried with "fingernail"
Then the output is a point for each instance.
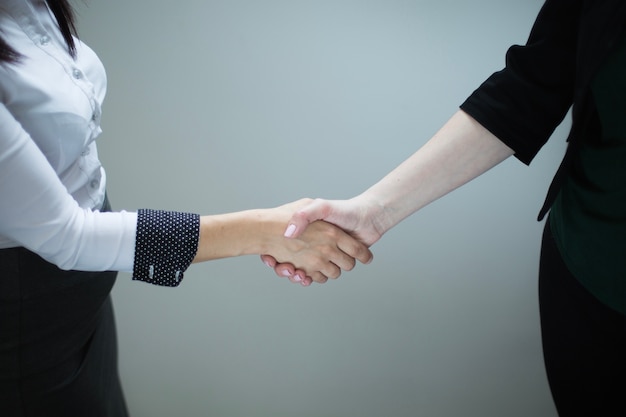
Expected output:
(267, 263)
(297, 277)
(285, 273)
(290, 230)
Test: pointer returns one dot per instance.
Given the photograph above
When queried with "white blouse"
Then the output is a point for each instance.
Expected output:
(51, 181)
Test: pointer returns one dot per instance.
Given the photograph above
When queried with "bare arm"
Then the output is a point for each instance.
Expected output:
(321, 252)
(459, 152)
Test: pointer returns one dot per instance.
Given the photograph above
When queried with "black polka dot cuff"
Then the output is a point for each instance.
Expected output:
(166, 243)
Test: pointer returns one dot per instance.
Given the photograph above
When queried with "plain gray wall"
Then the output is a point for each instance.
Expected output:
(224, 105)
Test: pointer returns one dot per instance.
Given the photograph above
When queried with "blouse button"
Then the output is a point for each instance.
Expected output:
(76, 73)
(44, 40)
(94, 183)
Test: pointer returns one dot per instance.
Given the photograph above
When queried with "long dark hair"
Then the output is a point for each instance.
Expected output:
(64, 14)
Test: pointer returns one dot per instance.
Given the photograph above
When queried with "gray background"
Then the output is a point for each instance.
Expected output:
(218, 106)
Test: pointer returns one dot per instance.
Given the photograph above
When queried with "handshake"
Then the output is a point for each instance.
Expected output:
(321, 238)
(313, 240)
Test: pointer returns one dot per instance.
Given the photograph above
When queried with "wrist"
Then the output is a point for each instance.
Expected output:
(375, 214)
(266, 227)
(234, 234)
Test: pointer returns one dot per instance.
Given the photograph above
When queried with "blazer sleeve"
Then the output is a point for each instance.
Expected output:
(523, 103)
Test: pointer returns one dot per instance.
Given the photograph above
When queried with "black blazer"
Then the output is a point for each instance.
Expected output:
(524, 103)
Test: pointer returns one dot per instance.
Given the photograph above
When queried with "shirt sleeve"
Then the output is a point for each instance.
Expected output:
(524, 103)
(37, 211)
(166, 244)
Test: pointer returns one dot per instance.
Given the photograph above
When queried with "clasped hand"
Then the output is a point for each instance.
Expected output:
(348, 222)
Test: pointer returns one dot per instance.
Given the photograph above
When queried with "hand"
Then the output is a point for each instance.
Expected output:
(460, 151)
(319, 250)
(355, 217)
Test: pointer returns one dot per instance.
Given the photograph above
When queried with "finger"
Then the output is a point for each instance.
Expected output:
(340, 256)
(337, 260)
(319, 277)
(269, 260)
(355, 249)
(317, 210)
(331, 270)
(284, 270)
(305, 280)
(295, 278)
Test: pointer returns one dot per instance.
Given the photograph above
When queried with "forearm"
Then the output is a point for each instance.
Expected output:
(321, 252)
(235, 234)
(461, 151)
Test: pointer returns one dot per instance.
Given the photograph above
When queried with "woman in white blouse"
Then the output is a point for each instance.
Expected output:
(57, 233)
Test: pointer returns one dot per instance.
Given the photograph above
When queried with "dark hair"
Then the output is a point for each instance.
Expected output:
(64, 14)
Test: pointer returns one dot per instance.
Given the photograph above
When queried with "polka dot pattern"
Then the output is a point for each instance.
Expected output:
(166, 243)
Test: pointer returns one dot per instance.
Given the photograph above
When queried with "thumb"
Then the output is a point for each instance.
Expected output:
(316, 210)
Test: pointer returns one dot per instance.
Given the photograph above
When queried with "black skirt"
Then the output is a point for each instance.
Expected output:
(58, 346)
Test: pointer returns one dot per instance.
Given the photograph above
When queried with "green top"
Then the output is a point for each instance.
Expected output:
(588, 218)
